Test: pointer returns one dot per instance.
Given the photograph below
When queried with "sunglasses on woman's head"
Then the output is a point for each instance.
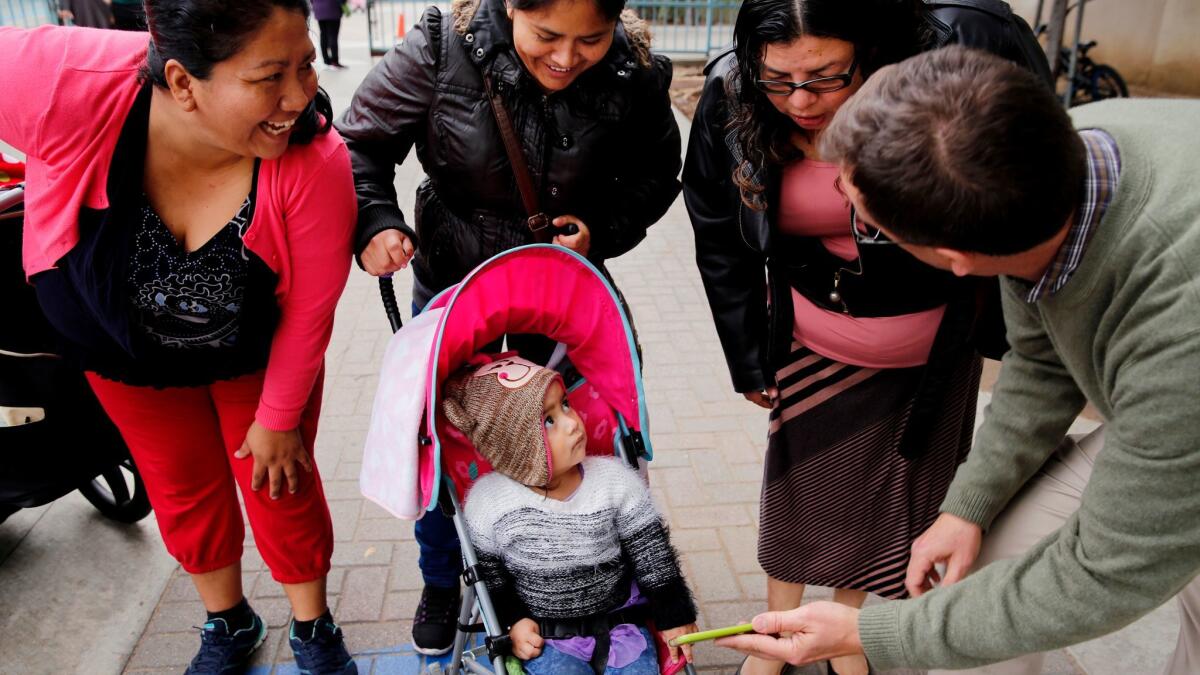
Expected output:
(820, 85)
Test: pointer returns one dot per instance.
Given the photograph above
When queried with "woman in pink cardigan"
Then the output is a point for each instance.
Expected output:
(188, 224)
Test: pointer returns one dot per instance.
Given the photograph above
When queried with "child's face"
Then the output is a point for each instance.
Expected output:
(564, 430)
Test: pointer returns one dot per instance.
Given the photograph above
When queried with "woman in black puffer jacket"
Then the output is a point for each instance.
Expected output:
(600, 139)
(589, 104)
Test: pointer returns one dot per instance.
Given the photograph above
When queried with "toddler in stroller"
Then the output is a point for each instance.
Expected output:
(416, 459)
(575, 555)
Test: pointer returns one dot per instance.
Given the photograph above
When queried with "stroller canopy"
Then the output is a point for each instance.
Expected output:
(541, 289)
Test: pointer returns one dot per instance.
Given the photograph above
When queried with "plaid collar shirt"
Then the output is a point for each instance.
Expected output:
(1103, 171)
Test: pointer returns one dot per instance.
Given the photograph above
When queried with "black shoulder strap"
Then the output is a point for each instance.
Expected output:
(537, 221)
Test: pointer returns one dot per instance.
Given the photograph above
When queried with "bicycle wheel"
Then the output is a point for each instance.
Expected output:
(1108, 83)
(118, 493)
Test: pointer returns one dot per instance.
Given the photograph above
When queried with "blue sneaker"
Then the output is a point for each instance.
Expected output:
(323, 654)
(224, 652)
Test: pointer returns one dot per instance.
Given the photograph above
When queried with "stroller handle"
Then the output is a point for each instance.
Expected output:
(11, 198)
(387, 292)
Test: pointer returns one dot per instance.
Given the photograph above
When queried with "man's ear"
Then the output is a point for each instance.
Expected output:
(961, 263)
(180, 82)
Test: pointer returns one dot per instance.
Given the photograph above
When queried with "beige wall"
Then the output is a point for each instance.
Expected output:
(1154, 43)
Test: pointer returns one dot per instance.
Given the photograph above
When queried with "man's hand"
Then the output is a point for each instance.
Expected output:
(673, 633)
(952, 541)
(388, 252)
(580, 242)
(526, 640)
(815, 632)
(278, 456)
(765, 398)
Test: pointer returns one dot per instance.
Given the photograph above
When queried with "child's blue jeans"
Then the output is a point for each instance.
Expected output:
(553, 662)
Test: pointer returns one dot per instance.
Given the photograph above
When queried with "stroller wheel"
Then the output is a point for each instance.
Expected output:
(118, 493)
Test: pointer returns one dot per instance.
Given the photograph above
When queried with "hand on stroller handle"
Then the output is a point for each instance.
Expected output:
(392, 250)
(572, 233)
(389, 251)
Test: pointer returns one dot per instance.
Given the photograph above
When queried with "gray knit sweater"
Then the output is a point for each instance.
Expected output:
(1124, 333)
(551, 559)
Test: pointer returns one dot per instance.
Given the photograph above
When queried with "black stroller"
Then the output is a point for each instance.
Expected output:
(54, 436)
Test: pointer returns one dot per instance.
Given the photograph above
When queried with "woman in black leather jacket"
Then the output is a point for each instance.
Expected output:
(589, 105)
(865, 356)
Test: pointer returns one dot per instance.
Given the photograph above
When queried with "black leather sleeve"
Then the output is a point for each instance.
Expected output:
(733, 273)
(386, 116)
(647, 182)
(990, 25)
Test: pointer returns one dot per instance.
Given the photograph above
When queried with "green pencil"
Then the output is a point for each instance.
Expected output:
(712, 634)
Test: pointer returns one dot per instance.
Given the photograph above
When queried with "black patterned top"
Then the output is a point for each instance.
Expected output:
(196, 316)
(189, 299)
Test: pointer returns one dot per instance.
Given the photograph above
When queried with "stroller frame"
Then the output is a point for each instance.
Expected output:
(477, 611)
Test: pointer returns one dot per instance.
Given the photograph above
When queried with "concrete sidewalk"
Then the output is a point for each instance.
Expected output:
(105, 599)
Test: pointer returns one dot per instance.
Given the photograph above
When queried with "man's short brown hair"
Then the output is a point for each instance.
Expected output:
(961, 149)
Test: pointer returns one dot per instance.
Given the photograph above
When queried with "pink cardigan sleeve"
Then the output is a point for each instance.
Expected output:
(33, 61)
(320, 220)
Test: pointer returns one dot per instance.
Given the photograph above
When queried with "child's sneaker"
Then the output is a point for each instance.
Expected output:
(436, 620)
(222, 651)
(324, 653)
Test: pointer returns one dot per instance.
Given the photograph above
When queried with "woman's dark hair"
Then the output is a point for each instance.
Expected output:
(199, 34)
(882, 32)
(611, 9)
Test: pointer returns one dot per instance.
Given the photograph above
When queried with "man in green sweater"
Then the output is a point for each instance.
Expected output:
(1093, 223)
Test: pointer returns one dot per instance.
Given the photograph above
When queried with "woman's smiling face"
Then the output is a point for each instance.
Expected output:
(559, 41)
(250, 101)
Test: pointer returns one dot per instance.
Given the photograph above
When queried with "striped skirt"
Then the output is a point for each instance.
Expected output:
(840, 506)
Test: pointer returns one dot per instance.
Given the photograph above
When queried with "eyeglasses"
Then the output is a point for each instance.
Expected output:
(821, 85)
(864, 234)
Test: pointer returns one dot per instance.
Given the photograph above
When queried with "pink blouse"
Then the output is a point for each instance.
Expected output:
(811, 206)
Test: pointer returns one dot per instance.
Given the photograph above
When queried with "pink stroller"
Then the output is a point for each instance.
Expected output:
(415, 460)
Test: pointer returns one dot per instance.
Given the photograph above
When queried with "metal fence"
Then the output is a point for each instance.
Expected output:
(28, 13)
(694, 27)
(683, 27)
(389, 20)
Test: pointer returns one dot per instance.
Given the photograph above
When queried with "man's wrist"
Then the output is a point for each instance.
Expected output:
(854, 640)
(974, 507)
(878, 632)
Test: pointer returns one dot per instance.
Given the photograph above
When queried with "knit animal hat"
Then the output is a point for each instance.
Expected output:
(499, 406)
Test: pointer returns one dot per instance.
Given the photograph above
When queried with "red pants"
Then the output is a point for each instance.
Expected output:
(182, 440)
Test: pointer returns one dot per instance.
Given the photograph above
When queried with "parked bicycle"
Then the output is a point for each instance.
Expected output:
(1092, 81)
(1086, 80)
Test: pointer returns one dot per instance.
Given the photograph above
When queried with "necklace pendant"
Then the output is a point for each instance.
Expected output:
(834, 296)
